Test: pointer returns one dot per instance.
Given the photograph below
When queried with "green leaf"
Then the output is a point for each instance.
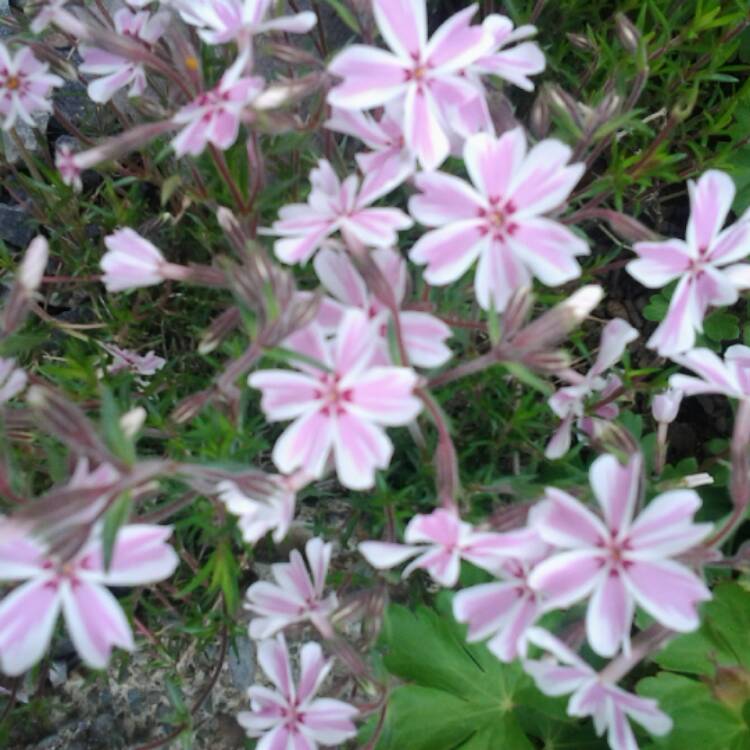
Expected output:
(344, 14)
(114, 519)
(460, 695)
(720, 326)
(700, 721)
(656, 308)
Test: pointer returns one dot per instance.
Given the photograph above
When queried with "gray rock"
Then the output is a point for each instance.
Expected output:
(135, 699)
(17, 228)
(72, 101)
(26, 135)
(241, 663)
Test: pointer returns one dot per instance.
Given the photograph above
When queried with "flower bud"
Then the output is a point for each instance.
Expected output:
(627, 33)
(666, 405)
(32, 267)
(132, 421)
(131, 262)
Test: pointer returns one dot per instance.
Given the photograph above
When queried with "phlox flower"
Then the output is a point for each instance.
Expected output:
(610, 707)
(500, 219)
(131, 261)
(214, 116)
(117, 72)
(422, 76)
(295, 597)
(439, 541)
(223, 21)
(12, 379)
(334, 206)
(730, 377)
(510, 58)
(124, 359)
(25, 86)
(290, 717)
(257, 514)
(95, 621)
(705, 263)
(618, 560)
(569, 402)
(424, 334)
(340, 407)
(503, 611)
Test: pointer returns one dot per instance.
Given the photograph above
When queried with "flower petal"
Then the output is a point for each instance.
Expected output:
(286, 395)
(385, 395)
(444, 199)
(617, 489)
(371, 76)
(423, 128)
(360, 447)
(563, 521)
(449, 251)
(659, 263)
(403, 24)
(710, 200)
(500, 273)
(273, 658)
(492, 162)
(676, 333)
(617, 334)
(609, 615)
(305, 444)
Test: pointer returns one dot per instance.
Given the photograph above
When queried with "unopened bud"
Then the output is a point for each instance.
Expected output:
(189, 407)
(219, 329)
(32, 267)
(132, 421)
(666, 405)
(539, 119)
(579, 41)
(627, 33)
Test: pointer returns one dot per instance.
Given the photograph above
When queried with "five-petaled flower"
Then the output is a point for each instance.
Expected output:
(705, 263)
(25, 86)
(138, 364)
(223, 21)
(117, 72)
(569, 402)
(339, 404)
(608, 705)
(334, 206)
(439, 541)
(503, 611)
(424, 334)
(423, 77)
(290, 717)
(94, 619)
(501, 219)
(295, 597)
(620, 561)
(215, 116)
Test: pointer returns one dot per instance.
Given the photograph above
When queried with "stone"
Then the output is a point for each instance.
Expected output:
(241, 662)
(17, 228)
(26, 134)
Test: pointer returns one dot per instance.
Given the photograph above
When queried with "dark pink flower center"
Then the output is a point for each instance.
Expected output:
(332, 396)
(498, 218)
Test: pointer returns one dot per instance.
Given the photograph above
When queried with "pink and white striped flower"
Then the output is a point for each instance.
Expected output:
(77, 587)
(618, 560)
(138, 364)
(258, 514)
(290, 717)
(114, 71)
(705, 263)
(424, 334)
(423, 77)
(215, 116)
(340, 407)
(610, 707)
(334, 206)
(503, 611)
(511, 63)
(730, 377)
(25, 87)
(439, 541)
(224, 21)
(295, 597)
(500, 219)
(569, 402)
(131, 262)
(388, 162)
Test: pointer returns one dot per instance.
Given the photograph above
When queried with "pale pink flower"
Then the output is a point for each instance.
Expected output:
(95, 621)
(215, 116)
(295, 597)
(388, 162)
(290, 717)
(124, 359)
(33, 265)
(339, 408)
(131, 261)
(730, 377)
(665, 406)
(503, 611)
(223, 21)
(116, 72)
(705, 263)
(259, 515)
(569, 402)
(334, 206)
(53, 12)
(439, 541)
(424, 334)
(619, 561)
(511, 63)
(423, 77)
(12, 380)
(500, 220)
(610, 707)
(25, 86)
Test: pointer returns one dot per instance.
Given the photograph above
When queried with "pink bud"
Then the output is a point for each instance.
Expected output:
(131, 262)
(666, 405)
(34, 262)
